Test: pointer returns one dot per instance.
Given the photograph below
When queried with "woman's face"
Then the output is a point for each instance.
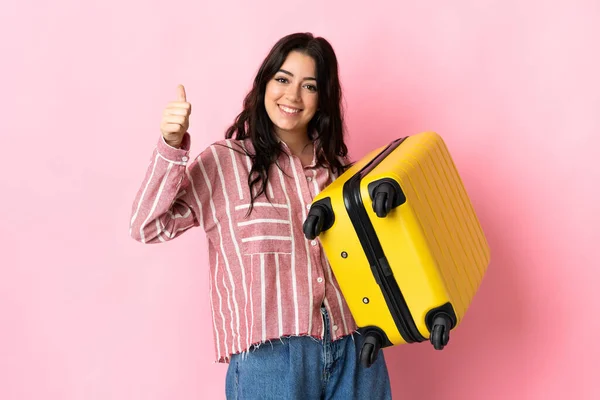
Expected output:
(291, 97)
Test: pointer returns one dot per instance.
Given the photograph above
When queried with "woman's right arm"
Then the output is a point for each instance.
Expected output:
(167, 203)
(169, 200)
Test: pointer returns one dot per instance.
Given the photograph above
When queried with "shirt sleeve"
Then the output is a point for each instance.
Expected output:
(170, 199)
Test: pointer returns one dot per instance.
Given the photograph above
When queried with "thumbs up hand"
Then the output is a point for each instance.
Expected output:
(176, 119)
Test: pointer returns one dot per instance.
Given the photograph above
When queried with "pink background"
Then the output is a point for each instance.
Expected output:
(513, 87)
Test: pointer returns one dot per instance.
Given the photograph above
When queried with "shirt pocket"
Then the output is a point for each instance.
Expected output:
(268, 228)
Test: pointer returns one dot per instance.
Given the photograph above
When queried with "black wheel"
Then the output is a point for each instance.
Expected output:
(312, 226)
(437, 337)
(383, 199)
(319, 219)
(440, 333)
(370, 350)
(367, 355)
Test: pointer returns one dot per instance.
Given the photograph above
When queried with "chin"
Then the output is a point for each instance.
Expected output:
(285, 127)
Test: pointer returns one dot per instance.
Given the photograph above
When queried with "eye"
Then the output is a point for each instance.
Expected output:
(311, 88)
(281, 79)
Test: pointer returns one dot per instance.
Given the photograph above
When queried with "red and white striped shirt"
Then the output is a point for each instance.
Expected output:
(266, 279)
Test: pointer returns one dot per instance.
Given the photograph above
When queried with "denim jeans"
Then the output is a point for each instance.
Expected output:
(302, 367)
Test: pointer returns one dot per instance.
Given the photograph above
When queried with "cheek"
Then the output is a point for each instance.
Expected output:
(311, 103)
(272, 92)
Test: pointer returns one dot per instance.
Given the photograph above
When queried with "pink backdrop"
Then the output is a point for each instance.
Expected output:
(513, 86)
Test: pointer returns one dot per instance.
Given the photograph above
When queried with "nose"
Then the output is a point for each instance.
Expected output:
(293, 93)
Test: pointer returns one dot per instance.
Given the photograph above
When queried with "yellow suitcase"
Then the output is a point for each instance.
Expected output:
(403, 242)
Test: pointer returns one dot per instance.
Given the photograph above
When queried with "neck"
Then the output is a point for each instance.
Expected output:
(298, 142)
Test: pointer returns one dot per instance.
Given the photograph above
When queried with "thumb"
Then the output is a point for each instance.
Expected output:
(181, 93)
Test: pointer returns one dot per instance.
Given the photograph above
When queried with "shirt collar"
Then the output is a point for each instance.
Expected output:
(287, 151)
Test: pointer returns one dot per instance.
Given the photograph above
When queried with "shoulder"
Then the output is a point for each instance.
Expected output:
(227, 147)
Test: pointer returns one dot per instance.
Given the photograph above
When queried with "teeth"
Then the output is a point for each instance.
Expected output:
(289, 110)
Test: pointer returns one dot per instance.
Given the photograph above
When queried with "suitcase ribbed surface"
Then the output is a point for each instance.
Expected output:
(436, 192)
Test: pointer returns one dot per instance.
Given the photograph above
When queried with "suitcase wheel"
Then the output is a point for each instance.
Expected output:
(370, 348)
(440, 332)
(385, 195)
(319, 219)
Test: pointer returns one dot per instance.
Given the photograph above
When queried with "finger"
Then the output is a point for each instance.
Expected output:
(176, 111)
(171, 128)
(174, 119)
(178, 104)
(181, 93)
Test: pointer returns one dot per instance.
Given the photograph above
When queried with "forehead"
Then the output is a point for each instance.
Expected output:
(299, 64)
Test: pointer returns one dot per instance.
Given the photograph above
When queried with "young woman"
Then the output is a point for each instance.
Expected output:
(279, 318)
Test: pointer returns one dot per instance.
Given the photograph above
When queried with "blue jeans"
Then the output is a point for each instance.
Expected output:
(301, 367)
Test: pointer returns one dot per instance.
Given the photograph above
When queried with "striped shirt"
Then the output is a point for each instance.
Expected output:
(266, 279)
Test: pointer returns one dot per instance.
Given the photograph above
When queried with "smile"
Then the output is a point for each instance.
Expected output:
(289, 110)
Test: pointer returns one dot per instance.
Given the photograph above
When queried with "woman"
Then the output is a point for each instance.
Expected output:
(279, 318)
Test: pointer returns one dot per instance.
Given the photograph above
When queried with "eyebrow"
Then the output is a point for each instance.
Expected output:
(308, 78)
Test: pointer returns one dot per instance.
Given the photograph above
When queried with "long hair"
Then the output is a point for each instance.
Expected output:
(327, 124)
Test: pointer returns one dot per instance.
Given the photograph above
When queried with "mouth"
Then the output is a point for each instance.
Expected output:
(287, 110)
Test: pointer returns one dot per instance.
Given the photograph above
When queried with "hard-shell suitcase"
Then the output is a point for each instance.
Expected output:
(403, 242)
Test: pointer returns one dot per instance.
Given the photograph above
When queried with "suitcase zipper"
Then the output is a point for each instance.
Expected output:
(374, 252)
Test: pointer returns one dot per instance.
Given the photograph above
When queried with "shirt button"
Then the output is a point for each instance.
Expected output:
(335, 327)
(319, 279)
(308, 206)
(309, 178)
(184, 158)
(313, 242)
